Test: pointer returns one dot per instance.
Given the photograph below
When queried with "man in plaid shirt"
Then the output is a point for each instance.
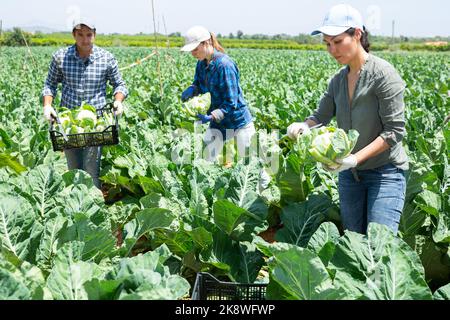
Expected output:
(84, 70)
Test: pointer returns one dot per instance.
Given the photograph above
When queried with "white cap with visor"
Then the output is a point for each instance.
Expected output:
(339, 19)
(195, 36)
(77, 23)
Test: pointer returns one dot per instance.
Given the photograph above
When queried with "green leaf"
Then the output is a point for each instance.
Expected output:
(98, 242)
(147, 220)
(6, 139)
(324, 241)
(378, 266)
(155, 200)
(301, 220)
(243, 183)
(150, 185)
(441, 234)
(75, 177)
(275, 291)
(180, 242)
(42, 185)
(102, 289)
(433, 259)
(13, 277)
(237, 222)
(154, 218)
(291, 180)
(144, 277)
(7, 161)
(412, 220)
(132, 163)
(49, 242)
(11, 288)
(80, 199)
(241, 261)
(69, 274)
(429, 202)
(302, 274)
(202, 238)
(442, 293)
(16, 222)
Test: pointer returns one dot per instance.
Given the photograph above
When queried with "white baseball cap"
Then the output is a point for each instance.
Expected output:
(77, 23)
(195, 36)
(339, 19)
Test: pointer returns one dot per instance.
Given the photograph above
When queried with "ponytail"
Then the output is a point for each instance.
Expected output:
(364, 37)
(215, 43)
(365, 40)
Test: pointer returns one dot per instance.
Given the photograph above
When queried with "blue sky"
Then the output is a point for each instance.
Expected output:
(412, 17)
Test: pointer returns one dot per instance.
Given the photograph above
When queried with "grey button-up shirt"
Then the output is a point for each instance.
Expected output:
(377, 110)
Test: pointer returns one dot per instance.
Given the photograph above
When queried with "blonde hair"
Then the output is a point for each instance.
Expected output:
(215, 43)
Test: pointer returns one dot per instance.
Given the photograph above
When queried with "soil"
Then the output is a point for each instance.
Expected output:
(269, 234)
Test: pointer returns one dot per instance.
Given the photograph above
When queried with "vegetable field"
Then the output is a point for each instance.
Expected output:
(165, 214)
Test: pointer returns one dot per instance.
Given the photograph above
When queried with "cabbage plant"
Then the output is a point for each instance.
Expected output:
(332, 143)
(83, 119)
(196, 105)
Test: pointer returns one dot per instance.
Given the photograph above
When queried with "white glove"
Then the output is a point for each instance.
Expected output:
(297, 128)
(49, 113)
(345, 164)
(118, 107)
(264, 180)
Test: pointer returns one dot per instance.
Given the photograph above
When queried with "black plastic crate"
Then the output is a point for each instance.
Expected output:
(109, 136)
(207, 287)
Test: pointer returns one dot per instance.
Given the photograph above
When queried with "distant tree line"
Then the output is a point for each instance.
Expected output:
(308, 39)
(18, 37)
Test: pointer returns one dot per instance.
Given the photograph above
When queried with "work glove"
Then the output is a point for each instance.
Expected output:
(188, 93)
(264, 180)
(49, 113)
(204, 119)
(297, 128)
(344, 164)
(118, 107)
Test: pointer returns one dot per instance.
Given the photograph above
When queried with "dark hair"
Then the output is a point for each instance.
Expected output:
(364, 37)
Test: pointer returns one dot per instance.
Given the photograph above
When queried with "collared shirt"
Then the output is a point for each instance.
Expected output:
(221, 79)
(83, 80)
(377, 110)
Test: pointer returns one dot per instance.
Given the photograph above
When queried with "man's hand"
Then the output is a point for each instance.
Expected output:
(188, 93)
(204, 119)
(345, 164)
(49, 113)
(118, 107)
(297, 128)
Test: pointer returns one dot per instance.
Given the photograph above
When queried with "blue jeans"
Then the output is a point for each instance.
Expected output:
(87, 159)
(378, 197)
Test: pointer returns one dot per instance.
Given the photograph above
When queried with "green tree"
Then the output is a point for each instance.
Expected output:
(17, 38)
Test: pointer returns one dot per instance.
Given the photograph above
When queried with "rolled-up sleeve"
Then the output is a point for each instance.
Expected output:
(54, 77)
(327, 107)
(115, 78)
(390, 90)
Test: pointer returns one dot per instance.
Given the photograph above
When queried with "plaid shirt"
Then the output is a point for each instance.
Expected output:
(83, 80)
(221, 79)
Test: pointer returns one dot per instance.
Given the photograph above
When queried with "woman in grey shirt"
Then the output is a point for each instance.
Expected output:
(366, 95)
